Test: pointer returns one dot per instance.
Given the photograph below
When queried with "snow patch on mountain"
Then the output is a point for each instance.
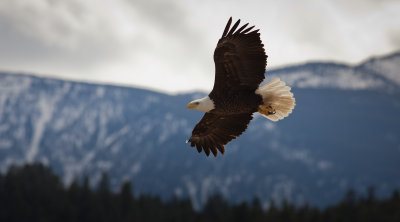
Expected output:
(388, 67)
(381, 73)
(333, 77)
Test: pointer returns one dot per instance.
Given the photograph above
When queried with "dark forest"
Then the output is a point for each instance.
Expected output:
(34, 193)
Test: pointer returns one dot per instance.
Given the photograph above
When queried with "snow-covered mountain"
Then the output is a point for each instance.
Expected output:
(344, 133)
(380, 73)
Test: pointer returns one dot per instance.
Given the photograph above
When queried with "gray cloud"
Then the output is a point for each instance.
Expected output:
(55, 34)
(394, 37)
(168, 45)
(172, 22)
(130, 39)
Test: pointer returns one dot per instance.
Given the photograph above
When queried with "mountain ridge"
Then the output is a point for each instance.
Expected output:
(366, 75)
(269, 74)
(336, 139)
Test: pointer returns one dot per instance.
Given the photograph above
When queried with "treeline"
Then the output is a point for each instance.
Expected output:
(34, 193)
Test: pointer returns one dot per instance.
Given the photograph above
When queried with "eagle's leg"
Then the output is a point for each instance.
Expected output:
(270, 110)
(266, 110)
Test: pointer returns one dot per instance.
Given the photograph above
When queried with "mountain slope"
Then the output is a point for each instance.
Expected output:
(378, 73)
(342, 134)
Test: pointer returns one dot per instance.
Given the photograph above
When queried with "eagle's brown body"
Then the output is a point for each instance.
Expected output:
(242, 101)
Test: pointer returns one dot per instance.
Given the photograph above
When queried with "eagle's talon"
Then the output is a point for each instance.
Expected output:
(270, 110)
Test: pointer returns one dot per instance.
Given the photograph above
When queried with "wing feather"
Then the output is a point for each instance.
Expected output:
(248, 29)
(241, 28)
(214, 131)
(227, 27)
(239, 58)
(198, 147)
(234, 27)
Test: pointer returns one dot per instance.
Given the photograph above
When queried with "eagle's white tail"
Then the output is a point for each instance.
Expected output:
(278, 100)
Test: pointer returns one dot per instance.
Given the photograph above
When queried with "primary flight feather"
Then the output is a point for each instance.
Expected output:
(240, 63)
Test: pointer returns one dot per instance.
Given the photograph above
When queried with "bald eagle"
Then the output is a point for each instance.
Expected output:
(240, 62)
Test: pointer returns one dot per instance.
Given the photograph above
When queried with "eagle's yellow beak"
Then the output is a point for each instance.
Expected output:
(191, 106)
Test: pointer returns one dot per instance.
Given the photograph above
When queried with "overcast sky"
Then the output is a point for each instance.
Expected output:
(167, 45)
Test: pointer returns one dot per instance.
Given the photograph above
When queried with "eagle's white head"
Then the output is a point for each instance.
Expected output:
(203, 105)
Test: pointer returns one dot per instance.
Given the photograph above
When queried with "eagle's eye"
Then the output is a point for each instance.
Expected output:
(197, 103)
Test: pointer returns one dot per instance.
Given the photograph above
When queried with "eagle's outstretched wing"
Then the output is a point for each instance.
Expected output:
(239, 58)
(214, 131)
